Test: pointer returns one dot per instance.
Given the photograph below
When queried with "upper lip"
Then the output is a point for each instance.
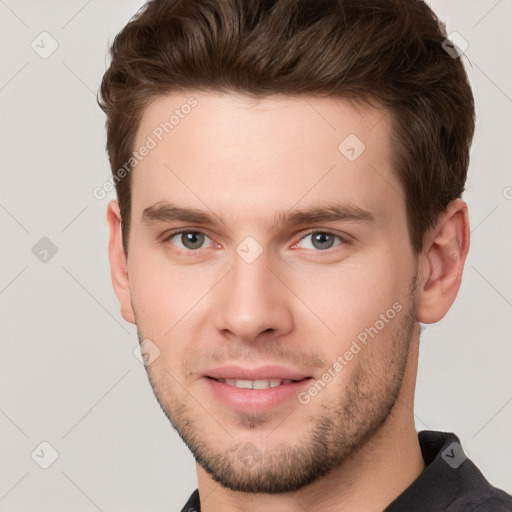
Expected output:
(260, 373)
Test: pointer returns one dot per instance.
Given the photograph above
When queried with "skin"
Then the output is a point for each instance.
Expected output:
(353, 446)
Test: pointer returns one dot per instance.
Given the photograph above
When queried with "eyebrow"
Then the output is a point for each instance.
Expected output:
(163, 211)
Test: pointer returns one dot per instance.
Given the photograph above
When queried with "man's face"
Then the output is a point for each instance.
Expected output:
(260, 292)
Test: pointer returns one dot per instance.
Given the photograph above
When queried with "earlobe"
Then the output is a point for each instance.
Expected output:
(118, 263)
(441, 263)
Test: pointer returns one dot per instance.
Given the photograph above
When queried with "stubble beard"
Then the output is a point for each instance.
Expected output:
(334, 431)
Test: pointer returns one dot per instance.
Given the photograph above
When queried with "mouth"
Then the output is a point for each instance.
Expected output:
(257, 384)
(257, 395)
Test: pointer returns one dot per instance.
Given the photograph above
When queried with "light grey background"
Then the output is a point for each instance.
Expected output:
(68, 373)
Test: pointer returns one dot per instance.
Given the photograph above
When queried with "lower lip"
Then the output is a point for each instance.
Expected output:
(255, 400)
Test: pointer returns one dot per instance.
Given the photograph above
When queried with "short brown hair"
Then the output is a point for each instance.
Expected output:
(390, 51)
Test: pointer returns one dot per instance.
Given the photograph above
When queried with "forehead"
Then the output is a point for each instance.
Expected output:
(213, 116)
(237, 153)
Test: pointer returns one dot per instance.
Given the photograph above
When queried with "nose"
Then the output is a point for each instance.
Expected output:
(253, 301)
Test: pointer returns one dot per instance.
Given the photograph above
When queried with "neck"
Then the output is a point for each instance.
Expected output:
(376, 473)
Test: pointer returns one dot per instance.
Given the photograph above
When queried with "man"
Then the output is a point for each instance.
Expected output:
(289, 177)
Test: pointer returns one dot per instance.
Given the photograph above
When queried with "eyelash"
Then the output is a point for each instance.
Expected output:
(343, 240)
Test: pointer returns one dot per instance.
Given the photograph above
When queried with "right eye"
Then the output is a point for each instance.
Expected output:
(186, 239)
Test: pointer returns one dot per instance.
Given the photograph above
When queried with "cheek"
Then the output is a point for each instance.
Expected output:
(351, 296)
(168, 301)
(161, 303)
(160, 296)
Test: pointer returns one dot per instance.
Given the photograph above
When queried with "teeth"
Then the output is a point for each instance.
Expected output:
(255, 384)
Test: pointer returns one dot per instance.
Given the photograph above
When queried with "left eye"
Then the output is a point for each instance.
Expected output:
(321, 240)
(190, 240)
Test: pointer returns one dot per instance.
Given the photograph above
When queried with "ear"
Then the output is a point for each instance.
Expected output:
(441, 263)
(118, 263)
